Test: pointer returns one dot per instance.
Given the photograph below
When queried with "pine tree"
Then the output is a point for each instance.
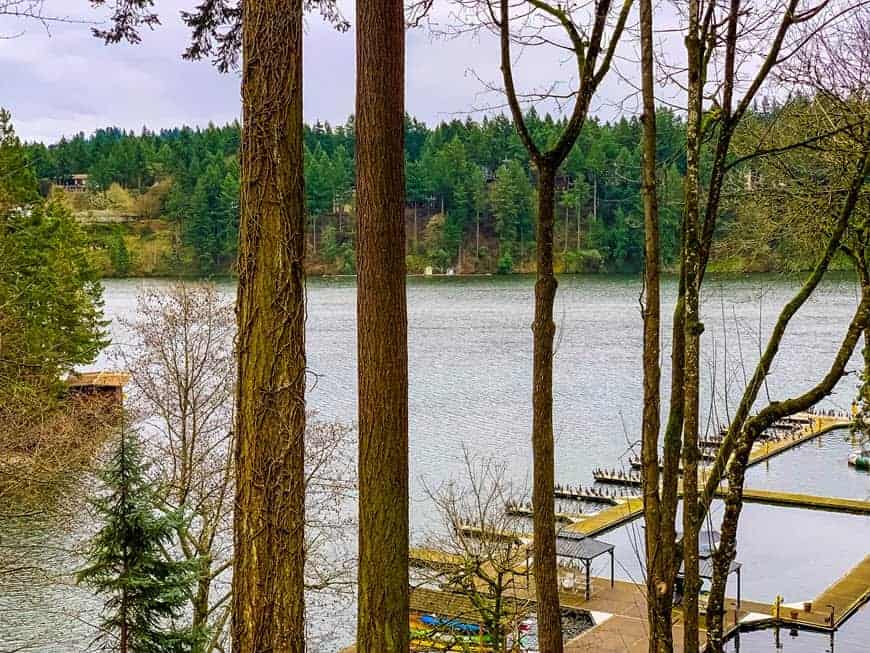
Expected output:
(144, 592)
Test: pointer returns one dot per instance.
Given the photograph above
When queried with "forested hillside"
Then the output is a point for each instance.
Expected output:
(470, 194)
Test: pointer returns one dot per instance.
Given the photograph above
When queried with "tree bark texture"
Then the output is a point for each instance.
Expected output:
(658, 549)
(382, 624)
(268, 569)
(543, 328)
(543, 498)
(693, 329)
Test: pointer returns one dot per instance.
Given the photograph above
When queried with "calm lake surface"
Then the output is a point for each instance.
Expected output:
(470, 385)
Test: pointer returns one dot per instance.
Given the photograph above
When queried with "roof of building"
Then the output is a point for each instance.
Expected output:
(98, 379)
(705, 568)
(582, 548)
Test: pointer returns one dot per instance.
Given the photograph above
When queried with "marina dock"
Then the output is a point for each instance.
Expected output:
(811, 502)
(620, 609)
(818, 426)
(609, 518)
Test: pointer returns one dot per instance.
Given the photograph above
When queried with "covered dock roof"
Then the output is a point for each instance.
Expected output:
(576, 546)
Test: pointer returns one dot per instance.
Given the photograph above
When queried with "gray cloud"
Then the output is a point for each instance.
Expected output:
(66, 81)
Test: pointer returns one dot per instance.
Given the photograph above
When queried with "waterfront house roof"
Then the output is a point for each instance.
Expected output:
(103, 379)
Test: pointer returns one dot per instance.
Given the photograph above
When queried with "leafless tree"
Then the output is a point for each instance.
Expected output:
(182, 362)
(589, 33)
(484, 559)
(732, 49)
(182, 386)
(842, 139)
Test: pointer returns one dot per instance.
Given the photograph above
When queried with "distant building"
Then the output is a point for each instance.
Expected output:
(74, 183)
(105, 384)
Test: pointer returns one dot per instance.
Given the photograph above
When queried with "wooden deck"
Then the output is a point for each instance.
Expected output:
(627, 629)
(847, 594)
(820, 425)
(829, 504)
(609, 518)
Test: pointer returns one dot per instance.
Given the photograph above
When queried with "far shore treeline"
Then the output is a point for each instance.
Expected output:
(166, 202)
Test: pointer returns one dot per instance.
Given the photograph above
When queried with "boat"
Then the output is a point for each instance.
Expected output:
(860, 458)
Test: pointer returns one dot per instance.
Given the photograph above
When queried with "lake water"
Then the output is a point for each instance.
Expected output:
(853, 636)
(470, 385)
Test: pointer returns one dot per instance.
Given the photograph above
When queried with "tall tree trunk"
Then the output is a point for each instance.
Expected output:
(382, 625)
(727, 549)
(659, 551)
(268, 568)
(543, 498)
(693, 329)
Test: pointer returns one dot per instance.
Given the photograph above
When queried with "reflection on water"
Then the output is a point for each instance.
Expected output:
(852, 637)
(470, 384)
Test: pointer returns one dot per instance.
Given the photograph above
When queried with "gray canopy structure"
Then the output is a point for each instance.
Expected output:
(705, 567)
(708, 543)
(585, 549)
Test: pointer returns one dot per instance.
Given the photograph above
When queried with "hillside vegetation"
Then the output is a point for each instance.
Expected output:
(166, 203)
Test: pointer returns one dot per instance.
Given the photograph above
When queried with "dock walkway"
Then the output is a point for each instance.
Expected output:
(829, 504)
(819, 425)
(847, 594)
(626, 629)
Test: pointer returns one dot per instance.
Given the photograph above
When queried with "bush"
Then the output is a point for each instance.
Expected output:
(505, 263)
(150, 203)
(119, 199)
(415, 263)
(583, 261)
(119, 255)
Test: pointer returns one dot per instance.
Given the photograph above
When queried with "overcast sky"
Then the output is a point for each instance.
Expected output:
(64, 81)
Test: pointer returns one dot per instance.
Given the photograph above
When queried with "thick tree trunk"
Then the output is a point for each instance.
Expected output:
(543, 499)
(268, 569)
(382, 625)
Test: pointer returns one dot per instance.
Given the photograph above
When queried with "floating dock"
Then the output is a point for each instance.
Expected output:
(847, 594)
(617, 477)
(588, 494)
(526, 511)
(609, 518)
(621, 611)
(811, 502)
(818, 426)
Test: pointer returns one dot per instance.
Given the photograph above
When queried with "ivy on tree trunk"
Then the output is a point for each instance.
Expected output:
(268, 570)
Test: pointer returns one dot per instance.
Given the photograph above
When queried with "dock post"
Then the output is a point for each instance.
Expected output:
(588, 572)
(611, 568)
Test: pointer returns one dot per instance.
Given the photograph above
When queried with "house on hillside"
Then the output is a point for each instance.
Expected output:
(109, 385)
(76, 183)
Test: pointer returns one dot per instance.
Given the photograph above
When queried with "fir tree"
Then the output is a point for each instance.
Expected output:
(145, 593)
